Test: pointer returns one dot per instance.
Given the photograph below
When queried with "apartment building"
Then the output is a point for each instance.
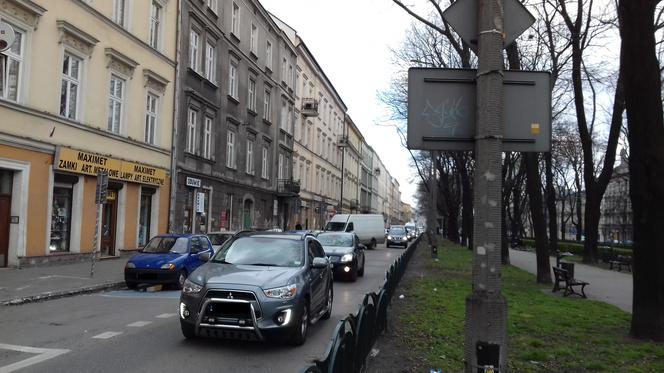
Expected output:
(233, 152)
(352, 154)
(86, 86)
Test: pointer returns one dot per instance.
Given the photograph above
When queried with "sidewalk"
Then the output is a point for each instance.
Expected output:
(18, 286)
(608, 286)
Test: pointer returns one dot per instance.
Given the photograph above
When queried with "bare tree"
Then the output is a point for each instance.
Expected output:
(638, 62)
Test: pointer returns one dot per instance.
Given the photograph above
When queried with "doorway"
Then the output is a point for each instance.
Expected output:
(109, 215)
(248, 206)
(6, 180)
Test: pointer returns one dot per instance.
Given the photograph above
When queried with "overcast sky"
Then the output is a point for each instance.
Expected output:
(351, 41)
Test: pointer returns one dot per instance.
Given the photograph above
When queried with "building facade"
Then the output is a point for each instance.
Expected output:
(85, 87)
(352, 154)
(615, 223)
(234, 144)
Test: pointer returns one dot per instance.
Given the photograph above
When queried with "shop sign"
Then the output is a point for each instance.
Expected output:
(193, 182)
(81, 162)
(200, 202)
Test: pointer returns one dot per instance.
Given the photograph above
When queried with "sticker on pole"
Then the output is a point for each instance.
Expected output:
(7, 36)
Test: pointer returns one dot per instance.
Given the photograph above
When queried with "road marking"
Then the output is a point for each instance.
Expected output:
(22, 288)
(106, 335)
(165, 315)
(62, 276)
(139, 324)
(43, 355)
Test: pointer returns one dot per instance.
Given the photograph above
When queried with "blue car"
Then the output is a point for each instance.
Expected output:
(167, 259)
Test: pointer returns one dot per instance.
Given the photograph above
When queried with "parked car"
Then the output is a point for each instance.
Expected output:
(368, 227)
(259, 286)
(345, 252)
(397, 236)
(218, 238)
(167, 259)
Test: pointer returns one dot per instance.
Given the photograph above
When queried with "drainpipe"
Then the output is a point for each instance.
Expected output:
(176, 112)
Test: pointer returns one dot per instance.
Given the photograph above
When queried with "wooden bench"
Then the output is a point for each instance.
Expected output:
(563, 277)
(621, 261)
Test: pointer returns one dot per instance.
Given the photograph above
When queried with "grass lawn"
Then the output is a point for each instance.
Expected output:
(547, 333)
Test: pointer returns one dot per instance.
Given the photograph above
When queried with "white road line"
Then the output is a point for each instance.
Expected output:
(139, 324)
(43, 355)
(106, 335)
(165, 315)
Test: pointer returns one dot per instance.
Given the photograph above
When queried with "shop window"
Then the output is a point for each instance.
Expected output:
(61, 217)
(145, 216)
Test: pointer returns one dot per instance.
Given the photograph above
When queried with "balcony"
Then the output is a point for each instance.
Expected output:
(288, 188)
(342, 141)
(309, 107)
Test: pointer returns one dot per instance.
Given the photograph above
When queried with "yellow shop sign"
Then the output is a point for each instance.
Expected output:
(81, 162)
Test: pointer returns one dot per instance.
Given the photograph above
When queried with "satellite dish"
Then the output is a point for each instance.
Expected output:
(7, 36)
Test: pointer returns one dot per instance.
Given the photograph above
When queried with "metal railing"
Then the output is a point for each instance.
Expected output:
(355, 335)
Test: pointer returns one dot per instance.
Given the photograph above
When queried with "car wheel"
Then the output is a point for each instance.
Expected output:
(182, 277)
(330, 298)
(302, 327)
(388, 245)
(188, 330)
(131, 285)
(361, 271)
(373, 243)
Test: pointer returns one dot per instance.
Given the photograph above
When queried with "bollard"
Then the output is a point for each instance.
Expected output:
(434, 251)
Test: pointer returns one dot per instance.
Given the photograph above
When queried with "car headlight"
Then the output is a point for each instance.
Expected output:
(404, 238)
(346, 258)
(169, 266)
(191, 287)
(284, 292)
(389, 237)
(130, 265)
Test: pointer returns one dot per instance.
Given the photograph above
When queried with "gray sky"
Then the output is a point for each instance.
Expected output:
(350, 40)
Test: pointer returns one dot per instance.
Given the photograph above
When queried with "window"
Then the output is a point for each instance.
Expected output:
(235, 22)
(212, 4)
(268, 55)
(12, 71)
(264, 164)
(210, 65)
(207, 138)
(192, 118)
(280, 171)
(251, 94)
(71, 82)
(284, 118)
(151, 118)
(115, 103)
(61, 216)
(250, 157)
(291, 119)
(284, 65)
(155, 20)
(120, 12)
(254, 39)
(232, 79)
(267, 105)
(145, 215)
(230, 149)
(290, 75)
(194, 39)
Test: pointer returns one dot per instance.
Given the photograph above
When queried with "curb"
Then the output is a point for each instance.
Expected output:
(63, 294)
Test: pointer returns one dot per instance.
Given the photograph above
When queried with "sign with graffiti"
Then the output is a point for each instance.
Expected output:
(442, 109)
(81, 162)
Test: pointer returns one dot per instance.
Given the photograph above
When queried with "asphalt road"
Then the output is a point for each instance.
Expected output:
(129, 331)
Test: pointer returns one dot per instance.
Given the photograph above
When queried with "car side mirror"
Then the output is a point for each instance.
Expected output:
(319, 262)
(204, 257)
(362, 247)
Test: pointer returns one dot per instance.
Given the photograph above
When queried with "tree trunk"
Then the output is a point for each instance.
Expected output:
(466, 200)
(537, 214)
(646, 164)
(551, 204)
(563, 234)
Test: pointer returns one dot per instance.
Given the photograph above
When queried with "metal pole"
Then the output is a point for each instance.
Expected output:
(95, 242)
(486, 308)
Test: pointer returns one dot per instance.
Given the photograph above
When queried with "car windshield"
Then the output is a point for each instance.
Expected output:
(162, 245)
(335, 240)
(265, 251)
(335, 227)
(219, 238)
(397, 230)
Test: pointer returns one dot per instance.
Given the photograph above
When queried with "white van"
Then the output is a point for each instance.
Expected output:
(370, 228)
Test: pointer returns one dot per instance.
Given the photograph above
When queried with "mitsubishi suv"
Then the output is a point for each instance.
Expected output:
(259, 286)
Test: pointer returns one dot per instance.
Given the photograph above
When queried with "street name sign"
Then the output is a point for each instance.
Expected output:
(442, 109)
(462, 17)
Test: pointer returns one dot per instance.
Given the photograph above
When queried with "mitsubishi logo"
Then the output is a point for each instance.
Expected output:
(230, 296)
